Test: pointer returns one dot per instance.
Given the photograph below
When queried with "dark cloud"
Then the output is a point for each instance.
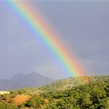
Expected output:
(83, 26)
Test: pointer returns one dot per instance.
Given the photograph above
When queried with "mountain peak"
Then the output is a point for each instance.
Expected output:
(30, 80)
(20, 80)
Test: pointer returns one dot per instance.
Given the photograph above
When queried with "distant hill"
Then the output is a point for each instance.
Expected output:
(30, 80)
(22, 81)
(6, 85)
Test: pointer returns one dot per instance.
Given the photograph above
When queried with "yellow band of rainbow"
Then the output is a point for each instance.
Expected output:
(49, 37)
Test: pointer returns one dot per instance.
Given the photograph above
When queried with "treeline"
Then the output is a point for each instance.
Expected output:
(93, 95)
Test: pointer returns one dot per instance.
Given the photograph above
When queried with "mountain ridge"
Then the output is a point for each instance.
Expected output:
(21, 80)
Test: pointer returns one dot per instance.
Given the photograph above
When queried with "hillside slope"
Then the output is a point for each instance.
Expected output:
(64, 84)
(6, 85)
(63, 94)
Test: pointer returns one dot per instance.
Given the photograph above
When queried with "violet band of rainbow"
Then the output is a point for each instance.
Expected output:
(48, 37)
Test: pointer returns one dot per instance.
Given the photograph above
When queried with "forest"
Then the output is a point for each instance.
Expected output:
(68, 93)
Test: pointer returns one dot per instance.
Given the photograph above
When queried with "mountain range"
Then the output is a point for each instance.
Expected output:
(21, 80)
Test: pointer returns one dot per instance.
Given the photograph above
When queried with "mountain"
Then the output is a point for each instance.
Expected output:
(30, 80)
(22, 81)
(6, 85)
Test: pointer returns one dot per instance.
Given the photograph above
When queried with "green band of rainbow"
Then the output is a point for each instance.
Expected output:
(48, 37)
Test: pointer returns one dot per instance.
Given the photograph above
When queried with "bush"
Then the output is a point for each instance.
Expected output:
(35, 101)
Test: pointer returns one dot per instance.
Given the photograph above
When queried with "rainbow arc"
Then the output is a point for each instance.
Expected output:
(48, 36)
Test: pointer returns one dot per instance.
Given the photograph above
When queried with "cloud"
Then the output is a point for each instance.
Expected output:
(94, 67)
(82, 26)
(51, 70)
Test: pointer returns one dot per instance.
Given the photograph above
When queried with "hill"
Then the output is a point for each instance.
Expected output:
(22, 81)
(63, 94)
(6, 85)
(30, 80)
(64, 84)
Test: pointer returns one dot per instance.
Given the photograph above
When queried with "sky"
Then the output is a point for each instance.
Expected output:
(82, 25)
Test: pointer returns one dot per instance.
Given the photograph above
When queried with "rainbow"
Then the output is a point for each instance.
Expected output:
(48, 37)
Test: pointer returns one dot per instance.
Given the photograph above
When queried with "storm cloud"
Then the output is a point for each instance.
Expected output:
(83, 26)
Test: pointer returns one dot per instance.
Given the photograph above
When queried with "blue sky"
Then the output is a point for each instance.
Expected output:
(83, 26)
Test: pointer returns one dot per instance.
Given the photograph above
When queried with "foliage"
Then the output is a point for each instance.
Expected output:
(71, 95)
(19, 99)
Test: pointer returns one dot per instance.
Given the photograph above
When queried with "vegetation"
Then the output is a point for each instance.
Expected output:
(63, 94)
